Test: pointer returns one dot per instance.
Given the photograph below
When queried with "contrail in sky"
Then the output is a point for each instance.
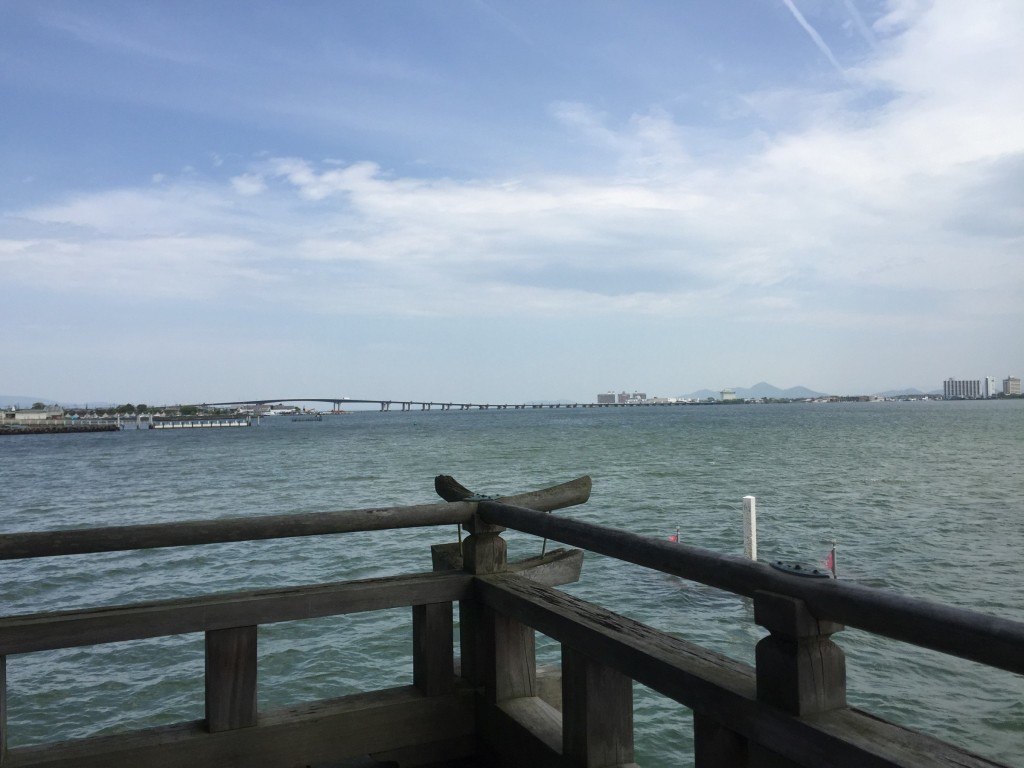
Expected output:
(814, 34)
(858, 21)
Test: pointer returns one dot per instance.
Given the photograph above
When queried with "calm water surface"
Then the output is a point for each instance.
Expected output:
(923, 498)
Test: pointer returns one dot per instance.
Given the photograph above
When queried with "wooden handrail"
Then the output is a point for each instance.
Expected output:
(75, 541)
(971, 635)
(92, 626)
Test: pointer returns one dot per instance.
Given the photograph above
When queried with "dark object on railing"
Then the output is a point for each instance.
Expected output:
(799, 569)
(450, 489)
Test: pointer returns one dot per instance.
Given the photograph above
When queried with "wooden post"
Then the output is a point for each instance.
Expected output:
(799, 668)
(498, 653)
(230, 678)
(597, 712)
(484, 551)
(715, 746)
(433, 663)
(510, 652)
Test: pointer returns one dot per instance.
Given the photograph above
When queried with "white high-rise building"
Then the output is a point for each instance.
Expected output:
(961, 389)
(990, 387)
(1011, 385)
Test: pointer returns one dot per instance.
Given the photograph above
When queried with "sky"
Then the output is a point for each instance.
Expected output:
(491, 200)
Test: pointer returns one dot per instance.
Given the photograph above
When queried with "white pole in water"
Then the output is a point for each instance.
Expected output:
(750, 527)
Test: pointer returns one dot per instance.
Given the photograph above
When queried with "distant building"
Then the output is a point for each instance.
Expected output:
(989, 387)
(961, 389)
(606, 398)
(33, 416)
(728, 394)
(1011, 385)
(626, 398)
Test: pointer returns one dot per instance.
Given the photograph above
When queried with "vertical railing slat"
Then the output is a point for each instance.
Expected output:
(433, 663)
(715, 746)
(597, 712)
(230, 678)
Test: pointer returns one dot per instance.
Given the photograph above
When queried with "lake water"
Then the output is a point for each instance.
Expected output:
(923, 498)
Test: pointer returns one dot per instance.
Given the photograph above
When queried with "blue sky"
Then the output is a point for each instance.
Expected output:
(507, 200)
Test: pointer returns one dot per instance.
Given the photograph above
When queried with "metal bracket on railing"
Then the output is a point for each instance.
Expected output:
(797, 569)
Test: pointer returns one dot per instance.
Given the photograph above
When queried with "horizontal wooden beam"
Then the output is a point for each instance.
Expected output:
(78, 541)
(321, 733)
(979, 637)
(68, 629)
(716, 686)
(522, 732)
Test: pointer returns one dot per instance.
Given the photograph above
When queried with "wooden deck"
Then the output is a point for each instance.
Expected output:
(493, 709)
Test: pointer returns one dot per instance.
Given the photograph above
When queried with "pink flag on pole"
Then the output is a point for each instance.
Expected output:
(830, 561)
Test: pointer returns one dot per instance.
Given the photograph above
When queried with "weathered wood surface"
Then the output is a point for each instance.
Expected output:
(799, 668)
(485, 553)
(509, 658)
(68, 629)
(324, 732)
(559, 566)
(715, 686)
(189, 532)
(433, 652)
(433, 754)
(715, 746)
(523, 732)
(980, 637)
(597, 712)
(230, 678)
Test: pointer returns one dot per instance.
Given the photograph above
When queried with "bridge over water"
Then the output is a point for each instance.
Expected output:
(426, 405)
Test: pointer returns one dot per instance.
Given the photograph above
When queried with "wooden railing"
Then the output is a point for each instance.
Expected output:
(788, 710)
(432, 719)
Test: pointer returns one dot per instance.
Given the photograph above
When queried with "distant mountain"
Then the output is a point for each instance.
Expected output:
(764, 389)
(704, 394)
(761, 389)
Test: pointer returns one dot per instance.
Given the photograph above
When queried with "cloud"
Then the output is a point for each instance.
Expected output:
(248, 184)
(898, 193)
